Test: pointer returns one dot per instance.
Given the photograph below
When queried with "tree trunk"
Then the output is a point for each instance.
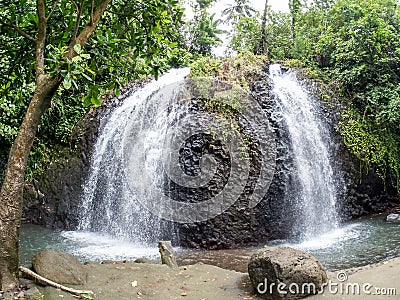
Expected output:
(13, 185)
(263, 45)
(294, 7)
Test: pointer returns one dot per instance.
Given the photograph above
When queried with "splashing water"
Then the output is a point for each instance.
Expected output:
(102, 209)
(314, 192)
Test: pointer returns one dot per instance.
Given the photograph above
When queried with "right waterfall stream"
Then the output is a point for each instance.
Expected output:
(313, 195)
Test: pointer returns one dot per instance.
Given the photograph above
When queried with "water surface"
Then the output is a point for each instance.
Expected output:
(355, 244)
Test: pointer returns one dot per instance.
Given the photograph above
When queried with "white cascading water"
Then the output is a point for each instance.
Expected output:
(102, 209)
(315, 195)
(109, 206)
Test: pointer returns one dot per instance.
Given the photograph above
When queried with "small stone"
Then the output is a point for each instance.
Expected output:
(32, 291)
(21, 295)
(8, 296)
(393, 218)
(25, 283)
(143, 260)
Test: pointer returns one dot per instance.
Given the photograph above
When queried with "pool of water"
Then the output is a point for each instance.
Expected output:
(355, 244)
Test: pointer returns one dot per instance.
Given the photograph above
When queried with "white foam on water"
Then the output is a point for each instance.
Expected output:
(328, 239)
(100, 247)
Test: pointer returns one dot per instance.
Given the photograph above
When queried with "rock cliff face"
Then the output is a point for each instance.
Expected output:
(54, 199)
(241, 224)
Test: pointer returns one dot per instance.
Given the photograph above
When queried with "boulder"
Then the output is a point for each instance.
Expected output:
(393, 218)
(285, 273)
(59, 266)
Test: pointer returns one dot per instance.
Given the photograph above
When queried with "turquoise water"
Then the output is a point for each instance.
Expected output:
(355, 244)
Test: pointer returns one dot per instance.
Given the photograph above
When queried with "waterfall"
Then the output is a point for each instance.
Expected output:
(313, 195)
(108, 206)
(138, 187)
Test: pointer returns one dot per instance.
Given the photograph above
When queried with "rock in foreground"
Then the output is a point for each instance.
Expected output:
(59, 266)
(285, 273)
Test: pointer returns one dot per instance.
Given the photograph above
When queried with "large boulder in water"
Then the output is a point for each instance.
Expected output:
(285, 273)
(59, 266)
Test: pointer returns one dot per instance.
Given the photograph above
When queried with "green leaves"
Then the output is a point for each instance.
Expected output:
(87, 296)
(134, 39)
(67, 83)
(360, 50)
(78, 49)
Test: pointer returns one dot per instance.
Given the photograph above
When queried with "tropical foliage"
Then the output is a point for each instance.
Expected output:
(202, 32)
(353, 46)
(133, 39)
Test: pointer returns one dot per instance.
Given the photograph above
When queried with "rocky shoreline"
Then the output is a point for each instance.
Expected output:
(116, 280)
(145, 280)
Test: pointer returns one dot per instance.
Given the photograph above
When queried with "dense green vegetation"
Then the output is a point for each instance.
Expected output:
(202, 31)
(353, 47)
(127, 45)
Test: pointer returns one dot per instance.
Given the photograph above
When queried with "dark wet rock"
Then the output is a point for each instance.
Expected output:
(143, 260)
(59, 267)
(298, 274)
(53, 200)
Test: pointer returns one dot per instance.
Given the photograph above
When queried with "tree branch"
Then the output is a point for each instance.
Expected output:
(19, 30)
(76, 5)
(86, 32)
(91, 13)
(78, 20)
(52, 9)
(41, 39)
(79, 293)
